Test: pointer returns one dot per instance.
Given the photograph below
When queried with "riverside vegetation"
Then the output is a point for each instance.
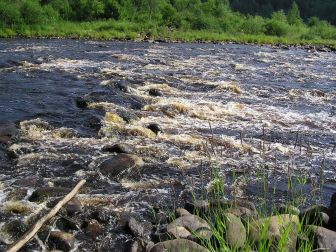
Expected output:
(183, 20)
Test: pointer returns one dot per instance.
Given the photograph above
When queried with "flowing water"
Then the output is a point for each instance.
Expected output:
(258, 115)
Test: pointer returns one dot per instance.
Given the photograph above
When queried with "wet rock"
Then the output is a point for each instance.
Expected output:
(81, 102)
(178, 245)
(101, 215)
(94, 122)
(235, 231)
(155, 128)
(118, 166)
(315, 215)
(8, 131)
(155, 92)
(94, 229)
(18, 207)
(12, 230)
(16, 150)
(123, 86)
(288, 209)
(181, 212)
(119, 148)
(183, 226)
(140, 228)
(17, 194)
(67, 224)
(44, 193)
(127, 115)
(74, 206)
(61, 240)
(275, 227)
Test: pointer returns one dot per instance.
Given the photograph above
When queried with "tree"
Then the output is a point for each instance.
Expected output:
(293, 16)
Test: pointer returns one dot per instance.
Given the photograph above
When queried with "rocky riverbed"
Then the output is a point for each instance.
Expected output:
(150, 126)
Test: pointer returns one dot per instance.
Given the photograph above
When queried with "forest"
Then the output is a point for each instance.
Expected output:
(257, 20)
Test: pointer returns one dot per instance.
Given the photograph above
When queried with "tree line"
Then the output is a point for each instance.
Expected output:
(265, 17)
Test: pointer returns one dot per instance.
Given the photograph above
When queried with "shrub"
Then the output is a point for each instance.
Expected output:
(111, 9)
(32, 12)
(62, 7)
(253, 25)
(276, 28)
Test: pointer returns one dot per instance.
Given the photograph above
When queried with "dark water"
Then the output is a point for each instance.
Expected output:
(251, 111)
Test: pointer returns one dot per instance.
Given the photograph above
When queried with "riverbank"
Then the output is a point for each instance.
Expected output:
(120, 30)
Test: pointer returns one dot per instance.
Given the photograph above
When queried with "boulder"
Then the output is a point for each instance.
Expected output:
(117, 166)
(324, 239)
(8, 129)
(273, 229)
(288, 209)
(235, 231)
(74, 206)
(141, 245)
(186, 225)
(332, 213)
(181, 212)
(178, 245)
(94, 229)
(61, 240)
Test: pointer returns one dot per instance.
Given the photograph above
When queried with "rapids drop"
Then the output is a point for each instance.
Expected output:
(243, 110)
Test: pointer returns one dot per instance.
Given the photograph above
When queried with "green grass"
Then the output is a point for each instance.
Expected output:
(125, 30)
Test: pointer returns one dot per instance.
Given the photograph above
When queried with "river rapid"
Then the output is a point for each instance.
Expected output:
(252, 117)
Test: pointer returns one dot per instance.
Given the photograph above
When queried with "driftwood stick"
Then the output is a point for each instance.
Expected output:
(38, 225)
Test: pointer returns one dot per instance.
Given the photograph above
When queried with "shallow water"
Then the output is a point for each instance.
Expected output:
(255, 113)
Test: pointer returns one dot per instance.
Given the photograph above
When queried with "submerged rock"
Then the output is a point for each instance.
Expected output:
(61, 240)
(178, 245)
(7, 132)
(117, 166)
(94, 229)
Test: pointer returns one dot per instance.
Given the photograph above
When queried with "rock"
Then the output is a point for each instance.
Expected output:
(141, 245)
(235, 231)
(94, 229)
(201, 206)
(183, 226)
(81, 102)
(67, 224)
(8, 130)
(61, 240)
(181, 212)
(101, 215)
(288, 209)
(127, 115)
(324, 239)
(178, 245)
(224, 204)
(12, 230)
(123, 86)
(155, 128)
(332, 213)
(119, 148)
(65, 133)
(17, 194)
(155, 92)
(241, 212)
(117, 166)
(315, 215)
(74, 206)
(44, 193)
(276, 226)
(93, 122)
(140, 228)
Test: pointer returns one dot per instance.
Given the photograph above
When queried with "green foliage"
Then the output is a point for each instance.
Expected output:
(293, 15)
(32, 12)
(277, 25)
(9, 14)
